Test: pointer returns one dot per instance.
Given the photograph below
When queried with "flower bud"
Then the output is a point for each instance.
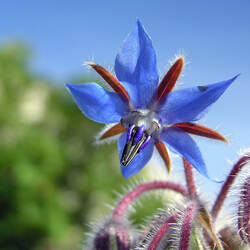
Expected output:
(114, 234)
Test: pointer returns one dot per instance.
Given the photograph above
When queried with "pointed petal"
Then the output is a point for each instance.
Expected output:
(190, 104)
(169, 80)
(200, 130)
(140, 160)
(136, 64)
(182, 143)
(114, 130)
(97, 103)
(110, 79)
(164, 154)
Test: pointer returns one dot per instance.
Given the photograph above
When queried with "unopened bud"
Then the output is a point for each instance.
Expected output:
(114, 234)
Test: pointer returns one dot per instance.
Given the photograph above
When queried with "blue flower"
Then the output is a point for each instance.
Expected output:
(147, 112)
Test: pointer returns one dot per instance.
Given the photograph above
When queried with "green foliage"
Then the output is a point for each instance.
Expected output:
(52, 177)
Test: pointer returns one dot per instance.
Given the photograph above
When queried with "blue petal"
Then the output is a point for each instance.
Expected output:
(136, 64)
(190, 104)
(139, 161)
(182, 143)
(97, 103)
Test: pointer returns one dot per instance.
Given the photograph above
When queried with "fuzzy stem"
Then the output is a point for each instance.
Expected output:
(189, 215)
(137, 191)
(244, 212)
(190, 179)
(227, 184)
(161, 232)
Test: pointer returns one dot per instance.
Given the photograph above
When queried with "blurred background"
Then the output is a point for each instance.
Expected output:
(53, 180)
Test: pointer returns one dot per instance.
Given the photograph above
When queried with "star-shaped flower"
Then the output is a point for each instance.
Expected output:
(147, 112)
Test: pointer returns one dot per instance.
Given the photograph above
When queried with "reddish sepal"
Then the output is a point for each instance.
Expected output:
(196, 129)
(110, 79)
(115, 130)
(169, 80)
(164, 154)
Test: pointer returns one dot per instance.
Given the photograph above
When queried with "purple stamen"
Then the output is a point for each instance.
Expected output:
(145, 143)
(129, 133)
(139, 134)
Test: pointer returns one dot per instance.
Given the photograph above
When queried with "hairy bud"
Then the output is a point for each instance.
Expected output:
(114, 234)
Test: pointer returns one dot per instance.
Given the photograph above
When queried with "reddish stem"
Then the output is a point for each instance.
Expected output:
(227, 184)
(161, 232)
(189, 179)
(244, 212)
(186, 226)
(140, 189)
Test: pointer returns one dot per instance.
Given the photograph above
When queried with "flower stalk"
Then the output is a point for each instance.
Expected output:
(161, 233)
(123, 205)
(244, 160)
(244, 212)
(189, 216)
(189, 179)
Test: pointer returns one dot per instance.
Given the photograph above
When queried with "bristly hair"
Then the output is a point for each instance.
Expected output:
(239, 201)
(178, 227)
(153, 224)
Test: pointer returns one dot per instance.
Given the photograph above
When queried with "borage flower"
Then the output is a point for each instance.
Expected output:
(146, 112)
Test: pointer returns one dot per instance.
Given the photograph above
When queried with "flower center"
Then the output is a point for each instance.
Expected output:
(142, 126)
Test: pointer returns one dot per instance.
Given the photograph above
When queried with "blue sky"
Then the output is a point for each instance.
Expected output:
(213, 35)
